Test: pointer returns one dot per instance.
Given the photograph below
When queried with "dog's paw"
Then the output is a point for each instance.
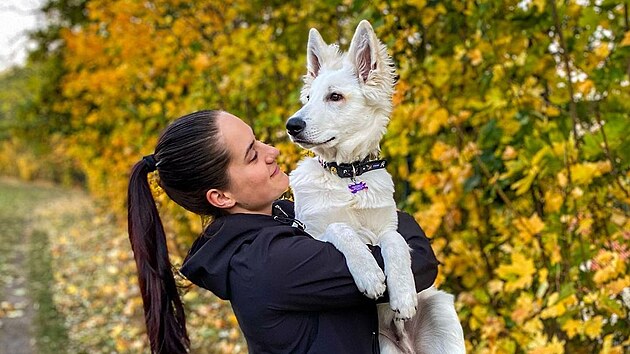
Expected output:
(372, 284)
(369, 278)
(404, 304)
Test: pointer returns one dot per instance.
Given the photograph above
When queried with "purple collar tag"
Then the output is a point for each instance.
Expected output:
(357, 186)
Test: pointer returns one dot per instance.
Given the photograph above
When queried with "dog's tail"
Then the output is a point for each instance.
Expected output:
(438, 329)
(435, 329)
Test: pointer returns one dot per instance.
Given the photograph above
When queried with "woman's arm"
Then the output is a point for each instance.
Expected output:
(308, 274)
(301, 273)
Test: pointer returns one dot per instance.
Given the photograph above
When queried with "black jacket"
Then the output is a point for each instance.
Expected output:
(290, 292)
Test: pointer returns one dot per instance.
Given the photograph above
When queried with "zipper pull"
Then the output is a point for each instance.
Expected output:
(294, 222)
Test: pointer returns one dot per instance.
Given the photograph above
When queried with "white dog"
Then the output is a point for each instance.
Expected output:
(345, 196)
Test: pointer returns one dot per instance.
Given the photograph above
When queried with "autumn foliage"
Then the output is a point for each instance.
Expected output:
(508, 140)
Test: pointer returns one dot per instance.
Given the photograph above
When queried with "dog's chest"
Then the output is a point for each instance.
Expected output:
(312, 183)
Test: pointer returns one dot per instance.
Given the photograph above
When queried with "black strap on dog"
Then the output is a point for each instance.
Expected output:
(354, 169)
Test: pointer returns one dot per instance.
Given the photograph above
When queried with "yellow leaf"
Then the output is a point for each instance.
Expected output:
(201, 62)
(585, 172)
(536, 165)
(626, 40)
(534, 325)
(540, 5)
(550, 244)
(603, 50)
(475, 56)
(232, 319)
(553, 201)
(436, 120)
(492, 328)
(480, 313)
(610, 266)
(431, 218)
(428, 16)
(517, 274)
(509, 153)
(555, 347)
(552, 111)
(470, 151)
(190, 296)
(563, 180)
(618, 218)
(615, 287)
(528, 228)
(524, 308)
(495, 286)
(443, 152)
(593, 327)
(522, 185)
(417, 3)
(585, 87)
(559, 308)
(608, 348)
(116, 330)
(572, 327)
(584, 226)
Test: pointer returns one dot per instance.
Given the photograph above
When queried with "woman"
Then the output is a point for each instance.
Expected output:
(289, 292)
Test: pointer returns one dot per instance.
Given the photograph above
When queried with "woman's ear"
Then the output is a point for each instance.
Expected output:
(220, 199)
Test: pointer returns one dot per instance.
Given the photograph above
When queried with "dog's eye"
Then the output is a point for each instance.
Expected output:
(335, 97)
(308, 98)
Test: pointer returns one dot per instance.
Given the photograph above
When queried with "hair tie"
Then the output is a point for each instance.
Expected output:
(149, 160)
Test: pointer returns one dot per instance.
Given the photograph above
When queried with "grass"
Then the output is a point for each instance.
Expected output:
(82, 277)
(49, 325)
(25, 250)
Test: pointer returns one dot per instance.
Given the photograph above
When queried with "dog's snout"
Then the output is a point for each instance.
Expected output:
(295, 125)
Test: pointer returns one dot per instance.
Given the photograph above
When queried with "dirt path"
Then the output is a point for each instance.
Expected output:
(24, 270)
(16, 328)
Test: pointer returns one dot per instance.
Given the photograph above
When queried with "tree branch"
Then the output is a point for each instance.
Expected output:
(567, 67)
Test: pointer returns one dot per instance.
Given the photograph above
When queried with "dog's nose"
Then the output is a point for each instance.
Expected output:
(295, 125)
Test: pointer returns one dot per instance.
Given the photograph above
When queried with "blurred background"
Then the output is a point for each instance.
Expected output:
(508, 143)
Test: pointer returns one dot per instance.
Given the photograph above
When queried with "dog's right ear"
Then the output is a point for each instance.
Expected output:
(364, 50)
(314, 52)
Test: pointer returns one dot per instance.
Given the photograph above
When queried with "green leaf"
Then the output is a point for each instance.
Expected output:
(489, 135)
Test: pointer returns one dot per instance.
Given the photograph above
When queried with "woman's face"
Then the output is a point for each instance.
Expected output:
(256, 180)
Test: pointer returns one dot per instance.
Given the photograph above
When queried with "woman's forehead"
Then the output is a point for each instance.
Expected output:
(237, 135)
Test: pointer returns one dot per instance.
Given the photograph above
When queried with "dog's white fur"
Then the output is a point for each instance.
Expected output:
(347, 103)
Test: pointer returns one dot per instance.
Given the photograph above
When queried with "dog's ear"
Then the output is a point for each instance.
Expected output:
(364, 50)
(314, 52)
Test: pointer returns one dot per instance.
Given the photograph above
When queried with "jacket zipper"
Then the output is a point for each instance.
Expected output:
(288, 220)
(375, 347)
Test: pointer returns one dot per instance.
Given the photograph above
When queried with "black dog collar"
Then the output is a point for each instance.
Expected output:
(351, 170)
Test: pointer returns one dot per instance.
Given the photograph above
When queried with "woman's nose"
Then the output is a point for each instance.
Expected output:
(272, 154)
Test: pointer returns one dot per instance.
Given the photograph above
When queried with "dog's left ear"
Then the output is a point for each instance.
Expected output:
(363, 50)
(315, 52)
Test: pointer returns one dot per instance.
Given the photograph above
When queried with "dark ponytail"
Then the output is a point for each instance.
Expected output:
(190, 159)
(163, 310)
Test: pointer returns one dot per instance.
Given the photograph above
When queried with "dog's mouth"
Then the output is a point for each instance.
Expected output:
(311, 143)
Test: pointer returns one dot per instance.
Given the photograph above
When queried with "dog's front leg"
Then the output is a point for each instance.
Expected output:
(400, 282)
(365, 271)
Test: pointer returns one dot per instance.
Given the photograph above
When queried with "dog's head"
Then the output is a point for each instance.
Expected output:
(347, 98)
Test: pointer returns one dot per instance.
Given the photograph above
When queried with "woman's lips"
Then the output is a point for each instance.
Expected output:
(275, 172)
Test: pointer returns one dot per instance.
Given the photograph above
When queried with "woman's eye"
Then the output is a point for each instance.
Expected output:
(335, 97)
(255, 156)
